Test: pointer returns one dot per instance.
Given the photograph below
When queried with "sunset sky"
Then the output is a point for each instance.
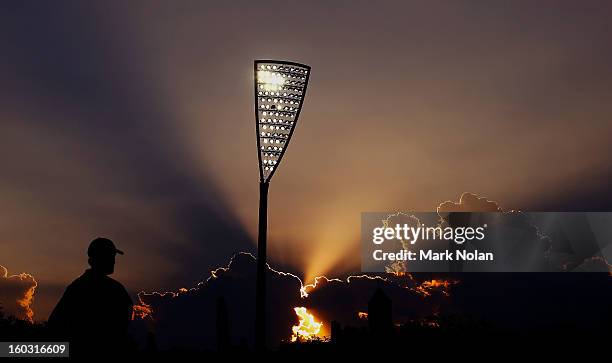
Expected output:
(134, 121)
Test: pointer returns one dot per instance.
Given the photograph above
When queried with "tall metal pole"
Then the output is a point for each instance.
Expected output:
(260, 300)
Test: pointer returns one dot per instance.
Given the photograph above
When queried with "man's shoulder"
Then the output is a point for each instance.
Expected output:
(117, 288)
(104, 283)
(78, 282)
(113, 283)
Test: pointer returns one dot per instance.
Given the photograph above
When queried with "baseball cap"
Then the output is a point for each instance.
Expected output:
(102, 246)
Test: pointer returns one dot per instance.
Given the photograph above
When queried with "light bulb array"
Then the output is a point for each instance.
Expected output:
(279, 92)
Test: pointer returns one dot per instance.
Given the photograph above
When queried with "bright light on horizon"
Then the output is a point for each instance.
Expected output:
(308, 328)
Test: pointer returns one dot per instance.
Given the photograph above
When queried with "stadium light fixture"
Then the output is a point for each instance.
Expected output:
(280, 88)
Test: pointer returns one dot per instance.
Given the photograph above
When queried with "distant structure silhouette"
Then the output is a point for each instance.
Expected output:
(380, 317)
(336, 331)
(95, 310)
(151, 344)
(223, 329)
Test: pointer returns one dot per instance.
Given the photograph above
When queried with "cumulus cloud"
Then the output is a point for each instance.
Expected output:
(187, 317)
(520, 300)
(538, 241)
(17, 294)
(509, 234)
(469, 202)
(343, 299)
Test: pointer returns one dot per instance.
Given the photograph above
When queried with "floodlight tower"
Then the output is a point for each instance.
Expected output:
(280, 88)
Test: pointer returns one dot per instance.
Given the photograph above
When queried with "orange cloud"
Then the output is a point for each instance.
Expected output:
(17, 294)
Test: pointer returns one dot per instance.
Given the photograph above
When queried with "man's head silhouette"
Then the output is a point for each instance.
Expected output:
(101, 254)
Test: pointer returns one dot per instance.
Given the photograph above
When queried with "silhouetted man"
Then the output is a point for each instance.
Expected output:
(95, 310)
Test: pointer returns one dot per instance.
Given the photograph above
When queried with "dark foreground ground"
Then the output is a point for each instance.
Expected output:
(453, 337)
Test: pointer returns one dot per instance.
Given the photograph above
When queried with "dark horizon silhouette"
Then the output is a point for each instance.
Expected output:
(493, 309)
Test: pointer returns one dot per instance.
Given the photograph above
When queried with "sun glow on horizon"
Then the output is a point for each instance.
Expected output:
(308, 328)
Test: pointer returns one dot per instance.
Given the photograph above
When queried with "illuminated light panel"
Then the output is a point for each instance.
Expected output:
(270, 81)
(280, 88)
